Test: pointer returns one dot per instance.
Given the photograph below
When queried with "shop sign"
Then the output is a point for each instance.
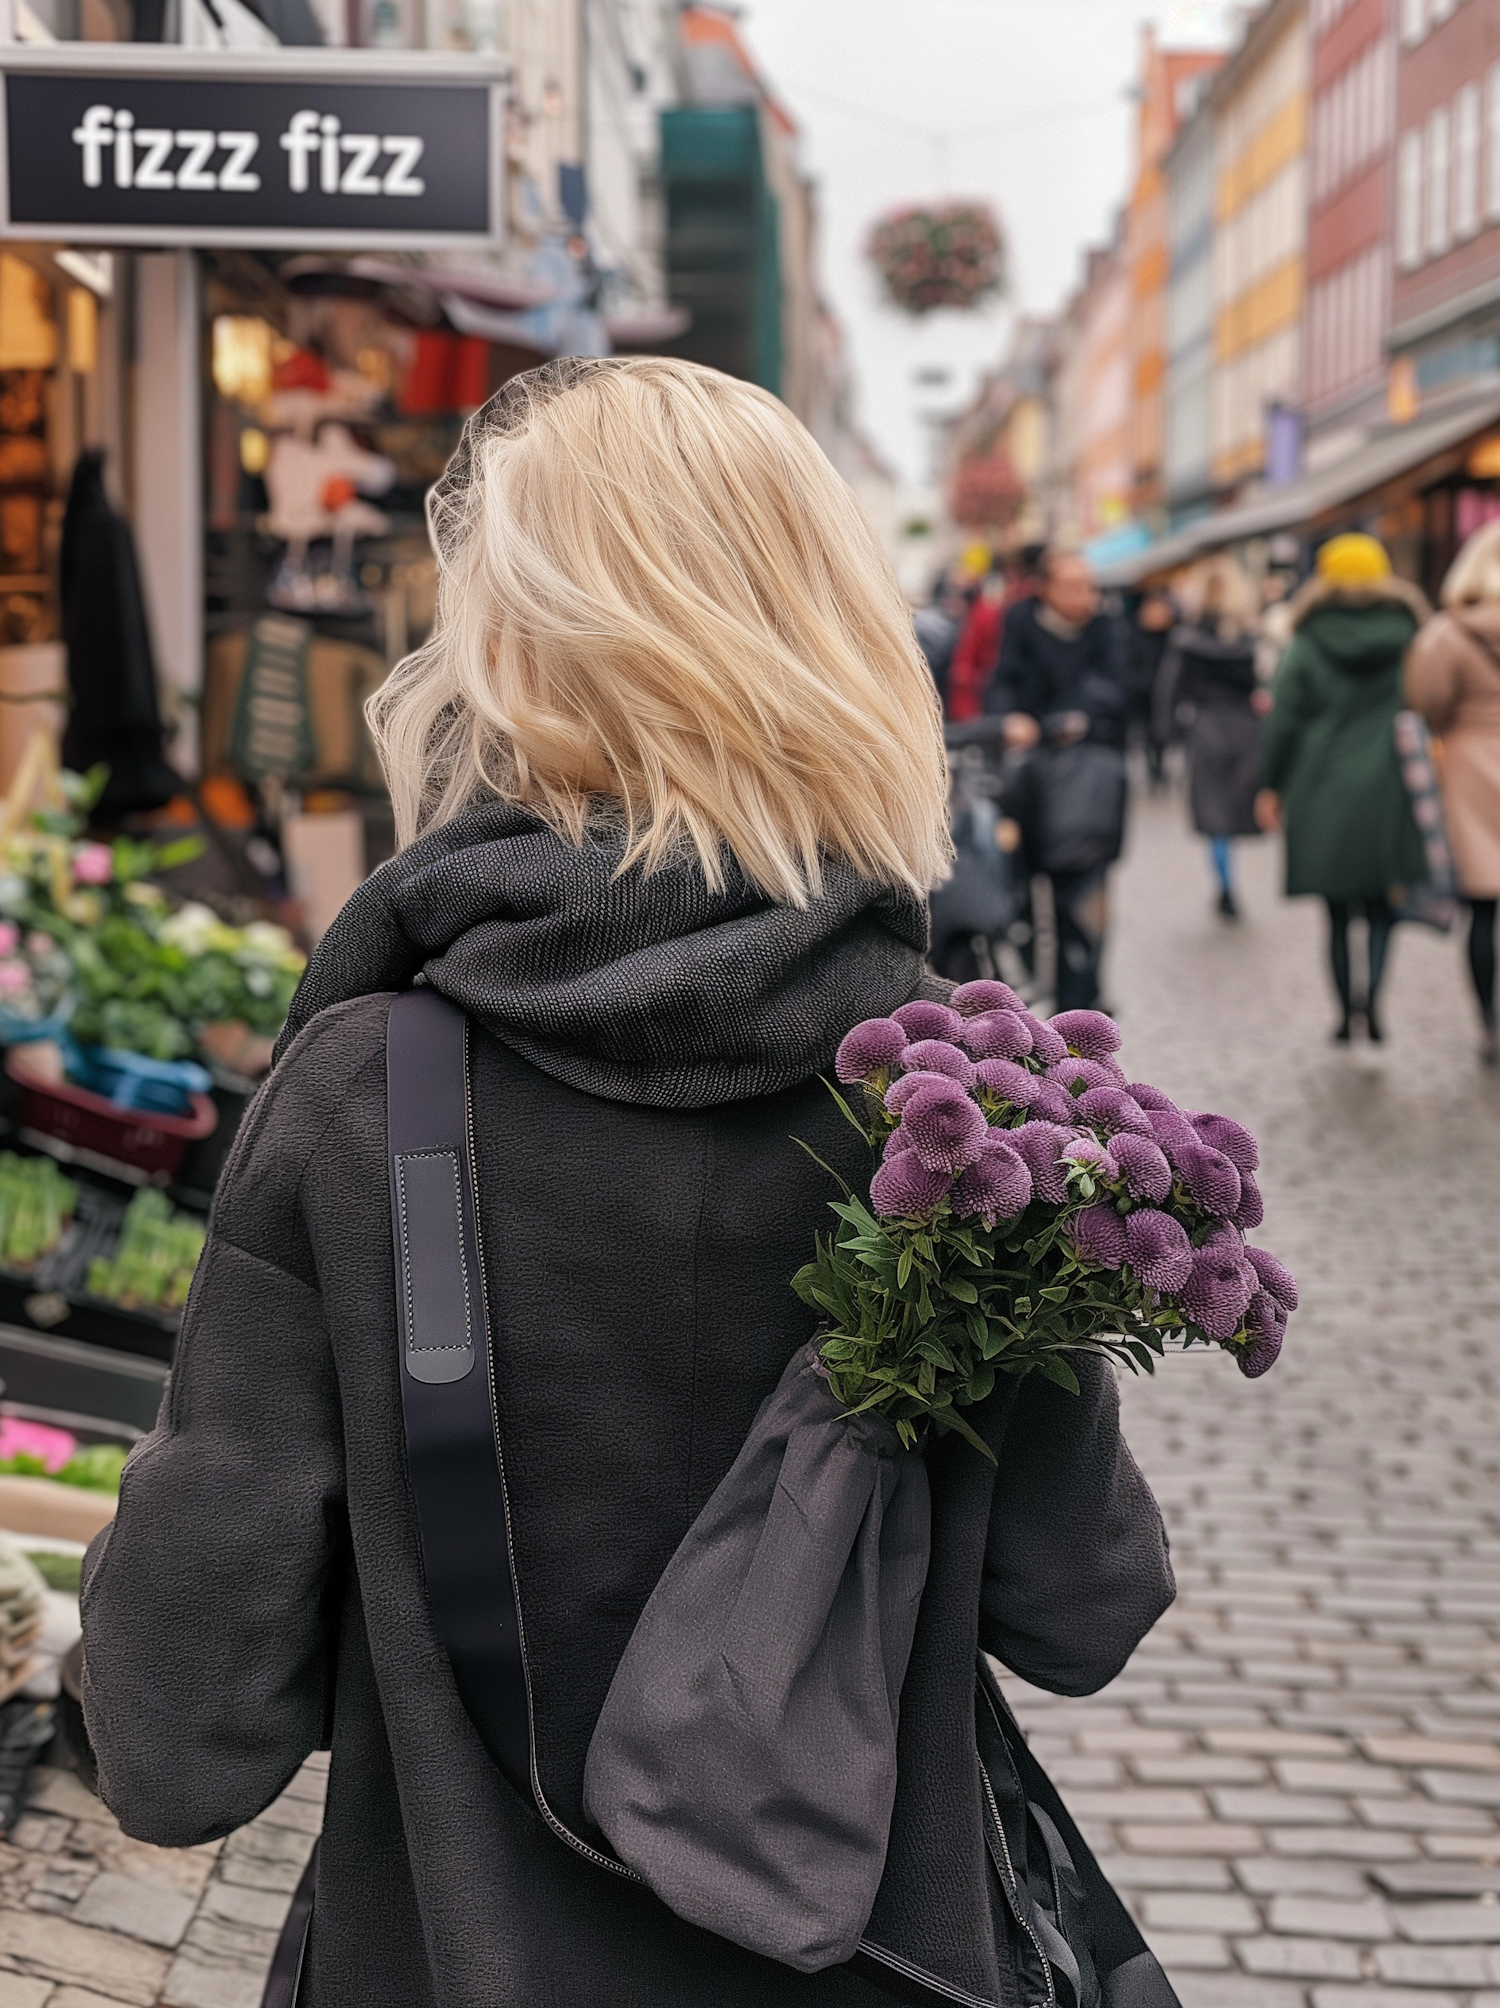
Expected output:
(147, 145)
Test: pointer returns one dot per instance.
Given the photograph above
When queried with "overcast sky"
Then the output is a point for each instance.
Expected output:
(1023, 102)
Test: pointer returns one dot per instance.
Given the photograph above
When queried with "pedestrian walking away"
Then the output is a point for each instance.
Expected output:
(1154, 620)
(1453, 679)
(1061, 689)
(1329, 771)
(1208, 691)
(660, 891)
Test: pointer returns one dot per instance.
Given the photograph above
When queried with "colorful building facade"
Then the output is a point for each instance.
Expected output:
(1352, 133)
(1260, 103)
(1446, 293)
(1170, 81)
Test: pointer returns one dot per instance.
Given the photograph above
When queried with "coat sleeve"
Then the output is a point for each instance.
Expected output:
(1292, 710)
(1014, 686)
(1076, 1564)
(1434, 674)
(208, 1625)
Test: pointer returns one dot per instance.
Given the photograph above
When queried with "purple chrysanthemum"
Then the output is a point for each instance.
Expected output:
(1146, 1171)
(1174, 1133)
(1090, 1034)
(923, 1019)
(1007, 1082)
(1218, 1290)
(1097, 1236)
(1265, 1321)
(1111, 1110)
(1220, 1133)
(1051, 1102)
(1275, 1279)
(1078, 1075)
(996, 1035)
(899, 1093)
(973, 999)
(1260, 1355)
(1148, 1097)
(1211, 1180)
(1039, 1147)
(944, 1127)
(1157, 1249)
(1251, 1210)
(996, 1186)
(936, 1056)
(1045, 1043)
(905, 1189)
(870, 1049)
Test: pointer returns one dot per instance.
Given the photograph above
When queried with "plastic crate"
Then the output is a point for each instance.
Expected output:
(81, 1127)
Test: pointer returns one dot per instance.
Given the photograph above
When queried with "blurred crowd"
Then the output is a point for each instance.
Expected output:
(1336, 707)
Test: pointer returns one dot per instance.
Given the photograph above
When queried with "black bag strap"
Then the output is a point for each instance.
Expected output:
(447, 1393)
(1128, 1970)
(284, 1981)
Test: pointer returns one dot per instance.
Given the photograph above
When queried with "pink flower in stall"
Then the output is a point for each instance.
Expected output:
(93, 864)
(51, 1447)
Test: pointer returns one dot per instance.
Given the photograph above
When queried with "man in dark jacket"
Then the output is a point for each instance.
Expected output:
(1062, 680)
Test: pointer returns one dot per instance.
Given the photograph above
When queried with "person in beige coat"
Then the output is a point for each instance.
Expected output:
(1453, 679)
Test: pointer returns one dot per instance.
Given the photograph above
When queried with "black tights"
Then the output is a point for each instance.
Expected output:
(1379, 920)
(1482, 954)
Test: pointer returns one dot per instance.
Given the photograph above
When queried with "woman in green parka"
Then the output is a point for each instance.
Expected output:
(1329, 771)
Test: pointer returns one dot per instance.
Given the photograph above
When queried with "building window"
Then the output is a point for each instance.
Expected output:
(1438, 175)
(1409, 200)
(1466, 161)
(1413, 20)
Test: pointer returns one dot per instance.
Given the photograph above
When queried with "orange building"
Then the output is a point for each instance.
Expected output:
(1168, 90)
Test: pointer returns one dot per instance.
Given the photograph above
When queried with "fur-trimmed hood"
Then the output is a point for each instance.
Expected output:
(1318, 592)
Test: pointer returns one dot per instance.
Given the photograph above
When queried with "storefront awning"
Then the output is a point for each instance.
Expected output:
(1370, 467)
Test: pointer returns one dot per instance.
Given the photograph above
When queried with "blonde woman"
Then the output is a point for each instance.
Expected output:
(669, 784)
(1453, 679)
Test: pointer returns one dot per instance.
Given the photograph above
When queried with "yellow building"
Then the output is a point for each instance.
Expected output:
(1260, 230)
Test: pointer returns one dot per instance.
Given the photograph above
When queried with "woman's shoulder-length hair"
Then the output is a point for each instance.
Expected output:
(654, 591)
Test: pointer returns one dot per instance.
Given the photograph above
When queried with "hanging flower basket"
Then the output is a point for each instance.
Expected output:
(947, 255)
(984, 492)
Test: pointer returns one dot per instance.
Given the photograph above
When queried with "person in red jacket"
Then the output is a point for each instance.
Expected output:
(977, 651)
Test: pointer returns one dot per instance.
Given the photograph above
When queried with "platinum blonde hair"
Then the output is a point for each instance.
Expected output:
(1474, 576)
(655, 592)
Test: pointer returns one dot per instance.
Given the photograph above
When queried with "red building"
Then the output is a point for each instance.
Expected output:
(1351, 137)
(1446, 296)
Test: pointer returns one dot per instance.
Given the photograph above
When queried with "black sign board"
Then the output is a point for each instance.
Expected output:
(338, 152)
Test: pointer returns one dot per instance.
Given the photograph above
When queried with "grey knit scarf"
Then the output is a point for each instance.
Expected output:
(640, 989)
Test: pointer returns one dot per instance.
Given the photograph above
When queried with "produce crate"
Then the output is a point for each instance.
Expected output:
(86, 1129)
(54, 1297)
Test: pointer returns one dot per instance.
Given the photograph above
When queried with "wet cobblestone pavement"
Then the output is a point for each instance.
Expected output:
(1297, 1778)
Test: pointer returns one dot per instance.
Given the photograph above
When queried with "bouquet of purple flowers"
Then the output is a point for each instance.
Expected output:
(1030, 1202)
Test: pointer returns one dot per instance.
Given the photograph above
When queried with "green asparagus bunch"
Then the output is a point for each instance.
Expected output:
(36, 1204)
(152, 1267)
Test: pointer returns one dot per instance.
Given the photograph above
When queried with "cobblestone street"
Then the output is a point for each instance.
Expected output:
(1298, 1776)
(1297, 1779)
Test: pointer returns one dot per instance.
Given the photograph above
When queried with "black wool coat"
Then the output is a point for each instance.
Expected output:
(261, 1592)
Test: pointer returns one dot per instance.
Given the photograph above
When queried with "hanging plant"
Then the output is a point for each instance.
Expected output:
(948, 255)
(984, 491)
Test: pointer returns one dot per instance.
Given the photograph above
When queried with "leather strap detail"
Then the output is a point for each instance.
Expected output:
(452, 1439)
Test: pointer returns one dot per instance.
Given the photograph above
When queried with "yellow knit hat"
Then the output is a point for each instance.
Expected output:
(1353, 560)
